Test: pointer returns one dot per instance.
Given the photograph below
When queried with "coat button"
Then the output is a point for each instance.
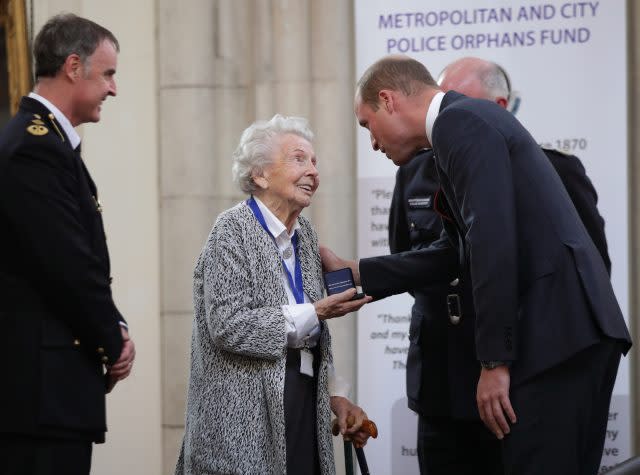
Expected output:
(454, 282)
(105, 359)
(413, 225)
(100, 350)
(76, 342)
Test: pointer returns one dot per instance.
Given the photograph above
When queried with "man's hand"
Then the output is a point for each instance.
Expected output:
(331, 262)
(493, 400)
(122, 368)
(344, 409)
(337, 305)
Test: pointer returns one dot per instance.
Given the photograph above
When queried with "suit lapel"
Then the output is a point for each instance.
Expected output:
(447, 189)
(455, 226)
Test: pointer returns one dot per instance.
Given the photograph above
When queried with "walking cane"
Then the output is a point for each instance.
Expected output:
(370, 428)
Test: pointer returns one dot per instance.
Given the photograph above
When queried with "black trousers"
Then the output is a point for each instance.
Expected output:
(562, 415)
(300, 417)
(21, 455)
(448, 446)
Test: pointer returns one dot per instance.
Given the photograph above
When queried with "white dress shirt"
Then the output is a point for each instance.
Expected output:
(301, 320)
(432, 114)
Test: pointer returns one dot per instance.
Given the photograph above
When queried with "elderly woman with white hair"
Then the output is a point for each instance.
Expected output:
(262, 381)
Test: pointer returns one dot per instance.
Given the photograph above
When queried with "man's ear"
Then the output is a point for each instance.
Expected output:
(72, 67)
(386, 100)
(502, 102)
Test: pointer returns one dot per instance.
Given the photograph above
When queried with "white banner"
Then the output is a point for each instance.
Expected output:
(568, 62)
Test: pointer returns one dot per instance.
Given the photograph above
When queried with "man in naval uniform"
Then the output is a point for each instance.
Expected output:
(64, 342)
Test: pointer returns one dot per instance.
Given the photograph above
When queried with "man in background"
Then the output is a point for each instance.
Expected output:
(475, 77)
(63, 339)
(442, 369)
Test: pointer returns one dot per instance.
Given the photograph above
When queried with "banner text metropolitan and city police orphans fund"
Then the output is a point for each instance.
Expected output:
(442, 19)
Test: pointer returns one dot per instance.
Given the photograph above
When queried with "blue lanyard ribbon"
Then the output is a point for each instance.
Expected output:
(296, 287)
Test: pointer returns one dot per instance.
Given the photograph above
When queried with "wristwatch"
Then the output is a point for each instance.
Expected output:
(493, 364)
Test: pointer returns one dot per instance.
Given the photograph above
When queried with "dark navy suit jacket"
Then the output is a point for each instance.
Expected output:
(442, 369)
(541, 291)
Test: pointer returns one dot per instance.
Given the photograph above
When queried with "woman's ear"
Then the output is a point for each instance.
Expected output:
(261, 182)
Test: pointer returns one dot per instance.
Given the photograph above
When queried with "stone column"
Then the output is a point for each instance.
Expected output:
(189, 201)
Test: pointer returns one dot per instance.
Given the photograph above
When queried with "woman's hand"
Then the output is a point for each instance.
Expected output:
(347, 412)
(337, 305)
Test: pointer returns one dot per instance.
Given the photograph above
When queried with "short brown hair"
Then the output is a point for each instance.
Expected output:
(67, 34)
(398, 73)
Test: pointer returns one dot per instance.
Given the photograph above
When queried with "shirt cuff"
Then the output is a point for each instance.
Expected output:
(338, 386)
(301, 321)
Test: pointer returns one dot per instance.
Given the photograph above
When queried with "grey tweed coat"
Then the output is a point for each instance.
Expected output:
(235, 402)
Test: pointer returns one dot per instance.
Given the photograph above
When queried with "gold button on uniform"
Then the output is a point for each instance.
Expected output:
(105, 359)
(100, 351)
(76, 342)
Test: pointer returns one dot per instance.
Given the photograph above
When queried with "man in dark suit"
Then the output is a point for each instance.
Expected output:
(441, 379)
(60, 326)
(547, 327)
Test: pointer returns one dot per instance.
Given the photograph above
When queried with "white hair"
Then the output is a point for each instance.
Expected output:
(255, 150)
(495, 82)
